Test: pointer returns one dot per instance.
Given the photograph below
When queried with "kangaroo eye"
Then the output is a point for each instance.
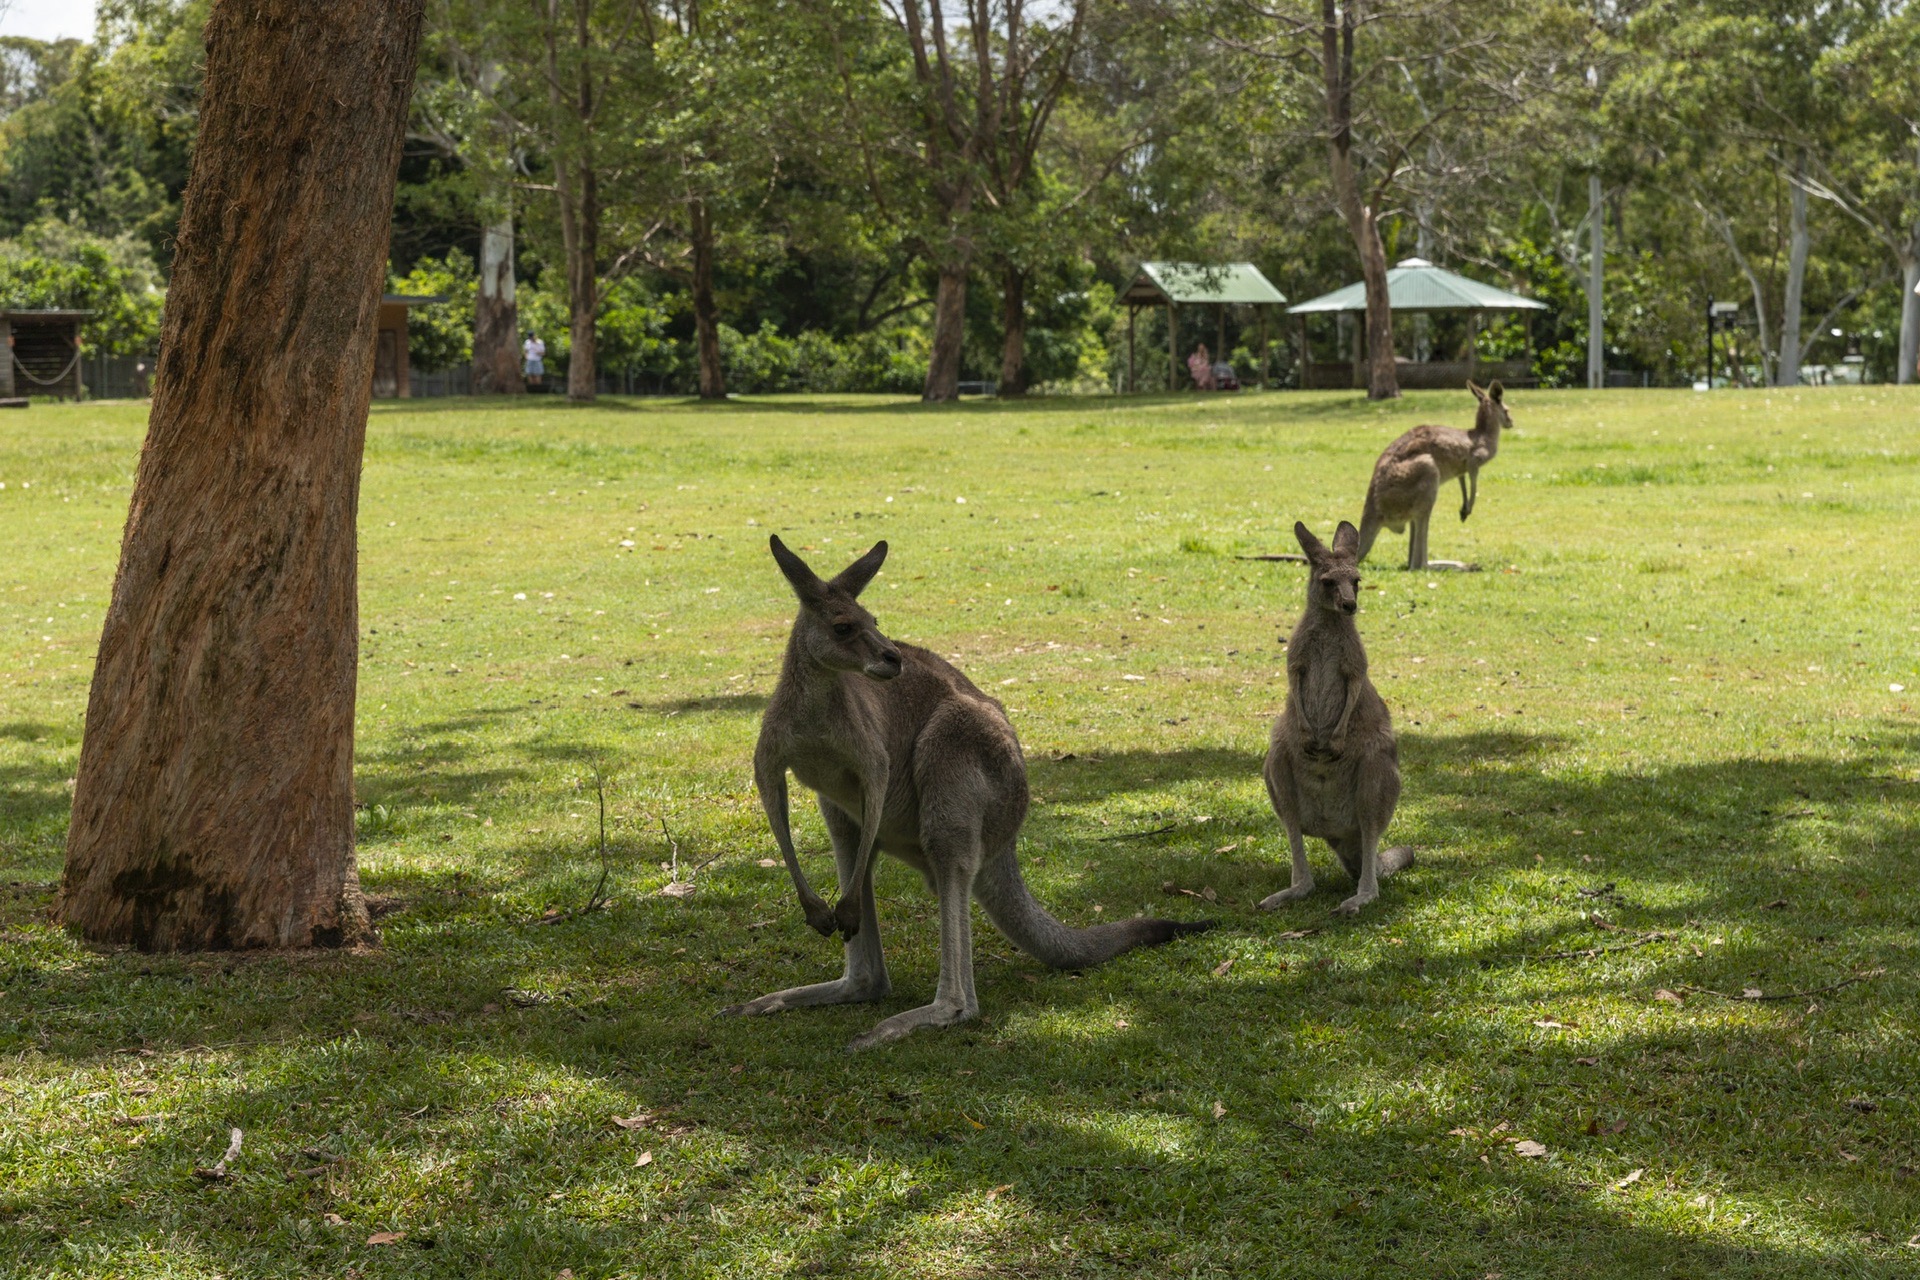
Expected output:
(843, 629)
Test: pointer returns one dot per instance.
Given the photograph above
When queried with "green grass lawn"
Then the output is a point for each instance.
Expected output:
(1670, 712)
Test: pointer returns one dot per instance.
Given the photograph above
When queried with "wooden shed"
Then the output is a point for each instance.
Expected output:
(392, 376)
(43, 353)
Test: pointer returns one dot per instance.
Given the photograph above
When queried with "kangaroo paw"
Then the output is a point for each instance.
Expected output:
(846, 917)
(1351, 907)
(820, 917)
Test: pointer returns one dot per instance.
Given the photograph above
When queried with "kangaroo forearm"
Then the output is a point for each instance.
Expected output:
(772, 785)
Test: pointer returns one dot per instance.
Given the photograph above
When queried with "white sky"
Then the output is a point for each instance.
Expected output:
(47, 19)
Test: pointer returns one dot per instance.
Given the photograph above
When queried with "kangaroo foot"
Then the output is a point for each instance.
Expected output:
(1351, 907)
(901, 1024)
(839, 991)
(1292, 893)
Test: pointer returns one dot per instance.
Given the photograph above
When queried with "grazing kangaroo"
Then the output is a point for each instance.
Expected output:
(1408, 475)
(1333, 770)
(907, 758)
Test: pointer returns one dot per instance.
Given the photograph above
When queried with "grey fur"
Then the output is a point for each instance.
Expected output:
(1408, 475)
(1333, 769)
(906, 757)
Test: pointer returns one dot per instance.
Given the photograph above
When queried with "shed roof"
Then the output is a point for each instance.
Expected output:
(1417, 285)
(1190, 282)
(412, 299)
(12, 314)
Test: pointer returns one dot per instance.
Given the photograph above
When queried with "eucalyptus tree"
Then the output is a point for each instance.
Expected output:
(1408, 92)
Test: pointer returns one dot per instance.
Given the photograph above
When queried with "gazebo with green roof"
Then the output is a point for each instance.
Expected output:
(1182, 284)
(1417, 286)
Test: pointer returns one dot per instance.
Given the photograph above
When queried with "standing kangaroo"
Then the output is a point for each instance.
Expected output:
(909, 758)
(1408, 475)
(1333, 769)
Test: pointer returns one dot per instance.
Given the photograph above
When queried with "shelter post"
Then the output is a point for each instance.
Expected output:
(1132, 312)
(1173, 346)
(1358, 363)
(1263, 347)
(1220, 331)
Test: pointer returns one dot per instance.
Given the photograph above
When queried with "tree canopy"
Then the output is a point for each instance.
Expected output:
(712, 195)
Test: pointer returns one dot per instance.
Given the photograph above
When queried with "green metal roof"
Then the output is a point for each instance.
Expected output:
(1185, 282)
(1417, 285)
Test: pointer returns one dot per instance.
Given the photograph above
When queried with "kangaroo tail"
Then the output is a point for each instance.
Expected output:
(1003, 895)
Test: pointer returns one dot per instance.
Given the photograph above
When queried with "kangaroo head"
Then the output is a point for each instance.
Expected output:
(833, 631)
(1333, 573)
(1493, 407)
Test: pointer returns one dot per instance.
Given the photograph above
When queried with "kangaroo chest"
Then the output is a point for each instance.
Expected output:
(1323, 695)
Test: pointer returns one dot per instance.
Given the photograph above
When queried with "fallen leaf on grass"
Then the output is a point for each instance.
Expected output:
(1528, 1148)
(1220, 970)
(1460, 1133)
(130, 1122)
(1629, 1180)
(1588, 1062)
(642, 1160)
(1219, 1110)
(334, 1220)
(970, 1120)
(1120, 1024)
(1618, 1126)
(1750, 993)
(386, 1237)
(1554, 1024)
(677, 889)
(633, 1122)
(219, 1169)
(1228, 848)
(994, 1193)
(1775, 905)
(1848, 1156)
(1294, 934)
(1668, 997)
(767, 862)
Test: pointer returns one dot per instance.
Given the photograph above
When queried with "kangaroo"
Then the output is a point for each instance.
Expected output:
(1408, 475)
(1333, 769)
(909, 758)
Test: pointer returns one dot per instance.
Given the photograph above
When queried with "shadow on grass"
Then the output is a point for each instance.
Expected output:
(1080, 1108)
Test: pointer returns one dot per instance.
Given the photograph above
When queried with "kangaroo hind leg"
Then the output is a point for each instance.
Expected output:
(953, 859)
(864, 979)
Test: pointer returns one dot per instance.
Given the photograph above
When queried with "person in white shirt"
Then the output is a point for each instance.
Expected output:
(535, 353)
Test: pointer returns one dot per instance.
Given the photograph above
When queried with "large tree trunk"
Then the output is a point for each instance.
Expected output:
(1787, 371)
(1596, 282)
(214, 802)
(496, 315)
(706, 319)
(1910, 313)
(580, 229)
(949, 328)
(1013, 324)
(1337, 25)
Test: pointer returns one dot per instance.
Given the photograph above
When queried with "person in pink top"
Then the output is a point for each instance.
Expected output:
(1200, 365)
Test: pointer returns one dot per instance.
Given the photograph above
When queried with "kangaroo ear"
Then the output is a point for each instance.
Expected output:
(806, 583)
(1495, 392)
(1346, 539)
(1478, 394)
(1308, 543)
(854, 578)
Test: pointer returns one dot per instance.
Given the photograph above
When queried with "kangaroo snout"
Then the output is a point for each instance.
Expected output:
(1349, 605)
(884, 667)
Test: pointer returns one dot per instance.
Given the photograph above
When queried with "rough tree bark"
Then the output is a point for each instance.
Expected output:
(949, 329)
(1787, 371)
(496, 315)
(1596, 284)
(1337, 25)
(1013, 324)
(214, 802)
(706, 318)
(577, 186)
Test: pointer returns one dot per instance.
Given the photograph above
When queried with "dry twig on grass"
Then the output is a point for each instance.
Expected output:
(1754, 993)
